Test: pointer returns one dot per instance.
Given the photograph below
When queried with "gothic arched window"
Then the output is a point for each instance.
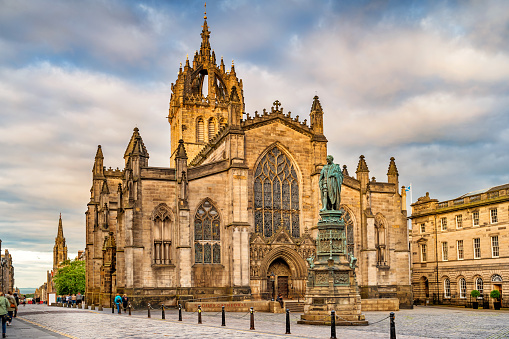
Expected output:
(212, 128)
(162, 235)
(207, 246)
(276, 195)
(199, 130)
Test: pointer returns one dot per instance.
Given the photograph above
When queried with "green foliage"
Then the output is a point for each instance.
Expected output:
(475, 294)
(495, 294)
(70, 278)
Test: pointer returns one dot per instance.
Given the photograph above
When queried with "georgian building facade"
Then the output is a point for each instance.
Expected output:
(461, 245)
(236, 213)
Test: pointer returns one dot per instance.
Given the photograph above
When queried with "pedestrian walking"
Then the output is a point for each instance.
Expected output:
(78, 298)
(125, 302)
(12, 306)
(4, 305)
(17, 304)
(118, 302)
(73, 299)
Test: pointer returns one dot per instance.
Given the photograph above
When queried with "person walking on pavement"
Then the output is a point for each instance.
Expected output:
(118, 302)
(125, 301)
(12, 306)
(4, 304)
(17, 304)
(78, 298)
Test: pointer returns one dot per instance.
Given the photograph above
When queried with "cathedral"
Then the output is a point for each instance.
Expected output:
(235, 214)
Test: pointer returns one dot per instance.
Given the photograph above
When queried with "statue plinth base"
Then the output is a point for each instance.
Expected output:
(332, 284)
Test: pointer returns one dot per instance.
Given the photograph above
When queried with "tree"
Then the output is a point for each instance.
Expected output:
(70, 278)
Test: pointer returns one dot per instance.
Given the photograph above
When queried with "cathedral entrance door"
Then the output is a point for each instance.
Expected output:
(282, 286)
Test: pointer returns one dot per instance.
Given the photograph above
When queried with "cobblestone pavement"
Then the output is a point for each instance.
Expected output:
(421, 322)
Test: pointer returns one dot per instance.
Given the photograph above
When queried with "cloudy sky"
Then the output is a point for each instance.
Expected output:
(426, 82)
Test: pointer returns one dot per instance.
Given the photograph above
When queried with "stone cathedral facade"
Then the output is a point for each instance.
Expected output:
(235, 212)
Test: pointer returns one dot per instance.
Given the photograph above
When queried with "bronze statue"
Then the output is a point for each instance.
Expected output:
(330, 182)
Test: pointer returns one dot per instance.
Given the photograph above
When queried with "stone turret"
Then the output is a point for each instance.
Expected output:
(316, 116)
(98, 170)
(362, 172)
(392, 173)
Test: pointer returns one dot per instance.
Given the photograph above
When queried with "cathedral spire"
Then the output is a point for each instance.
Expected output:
(316, 116)
(392, 173)
(60, 232)
(205, 35)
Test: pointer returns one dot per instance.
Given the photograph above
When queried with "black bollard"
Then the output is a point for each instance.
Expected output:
(287, 321)
(162, 315)
(333, 324)
(180, 312)
(393, 326)
(199, 314)
(119, 308)
(223, 317)
(251, 324)
(129, 308)
(148, 307)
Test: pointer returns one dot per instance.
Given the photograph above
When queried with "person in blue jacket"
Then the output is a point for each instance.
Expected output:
(118, 302)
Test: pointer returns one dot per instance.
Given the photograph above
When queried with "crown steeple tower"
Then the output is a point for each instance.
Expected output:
(201, 97)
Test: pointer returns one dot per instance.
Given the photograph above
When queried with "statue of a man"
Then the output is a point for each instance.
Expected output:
(330, 182)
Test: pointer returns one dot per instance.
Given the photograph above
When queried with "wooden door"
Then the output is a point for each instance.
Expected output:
(282, 286)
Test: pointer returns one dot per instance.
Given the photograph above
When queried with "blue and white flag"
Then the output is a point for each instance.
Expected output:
(408, 188)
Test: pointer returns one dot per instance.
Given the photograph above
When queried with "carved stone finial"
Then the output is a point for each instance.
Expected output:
(276, 104)
(205, 16)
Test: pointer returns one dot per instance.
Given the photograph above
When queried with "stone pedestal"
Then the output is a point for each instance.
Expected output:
(332, 284)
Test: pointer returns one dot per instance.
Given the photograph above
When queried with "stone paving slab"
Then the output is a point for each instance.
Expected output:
(421, 322)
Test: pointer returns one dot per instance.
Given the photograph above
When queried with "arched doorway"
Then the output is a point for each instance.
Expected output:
(425, 287)
(278, 276)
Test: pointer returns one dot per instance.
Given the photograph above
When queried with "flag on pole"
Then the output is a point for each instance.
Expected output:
(408, 188)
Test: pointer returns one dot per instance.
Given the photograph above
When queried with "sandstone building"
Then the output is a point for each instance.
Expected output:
(461, 245)
(6, 271)
(235, 214)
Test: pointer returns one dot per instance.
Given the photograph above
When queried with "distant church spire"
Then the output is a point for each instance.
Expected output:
(60, 248)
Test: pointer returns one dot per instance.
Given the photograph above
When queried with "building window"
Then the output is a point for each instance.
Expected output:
(459, 246)
(162, 235)
(493, 216)
(479, 285)
(445, 252)
(475, 218)
(423, 253)
(496, 278)
(447, 288)
(223, 123)
(494, 247)
(463, 288)
(477, 248)
(207, 236)
(423, 228)
(212, 128)
(199, 130)
(443, 224)
(380, 244)
(459, 221)
(276, 195)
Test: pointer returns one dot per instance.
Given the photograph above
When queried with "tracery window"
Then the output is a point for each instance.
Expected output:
(276, 195)
(199, 130)
(207, 246)
(162, 235)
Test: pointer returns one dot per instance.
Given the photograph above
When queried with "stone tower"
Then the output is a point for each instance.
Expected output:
(199, 99)
(60, 248)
